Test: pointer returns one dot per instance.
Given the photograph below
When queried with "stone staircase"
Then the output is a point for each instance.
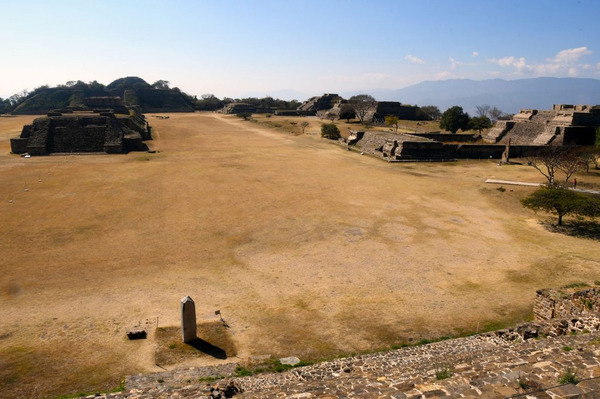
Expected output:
(520, 362)
(547, 136)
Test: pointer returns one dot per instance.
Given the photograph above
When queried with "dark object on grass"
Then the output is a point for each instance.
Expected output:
(136, 334)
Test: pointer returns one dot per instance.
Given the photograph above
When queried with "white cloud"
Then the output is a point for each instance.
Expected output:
(442, 75)
(518, 63)
(564, 62)
(414, 60)
(454, 63)
(475, 54)
(569, 56)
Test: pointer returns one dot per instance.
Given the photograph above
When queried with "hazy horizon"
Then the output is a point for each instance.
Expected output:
(260, 48)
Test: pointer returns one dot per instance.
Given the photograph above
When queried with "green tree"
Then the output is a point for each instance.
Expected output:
(479, 123)
(392, 121)
(454, 118)
(361, 104)
(563, 202)
(245, 115)
(330, 131)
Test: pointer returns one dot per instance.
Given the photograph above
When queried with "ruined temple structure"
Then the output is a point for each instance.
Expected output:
(238, 108)
(562, 125)
(319, 103)
(523, 136)
(104, 124)
(382, 109)
(332, 103)
(394, 147)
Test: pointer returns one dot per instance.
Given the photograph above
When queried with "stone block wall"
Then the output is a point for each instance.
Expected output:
(550, 303)
(84, 131)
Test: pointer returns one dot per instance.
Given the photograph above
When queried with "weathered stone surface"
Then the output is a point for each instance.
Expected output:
(188, 319)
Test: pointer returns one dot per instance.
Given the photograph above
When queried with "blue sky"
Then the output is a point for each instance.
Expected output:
(239, 48)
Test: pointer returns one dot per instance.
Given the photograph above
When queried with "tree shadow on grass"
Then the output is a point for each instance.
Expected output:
(208, 348)
(577, 228)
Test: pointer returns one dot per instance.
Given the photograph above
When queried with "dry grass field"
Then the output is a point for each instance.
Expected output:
(308, 250)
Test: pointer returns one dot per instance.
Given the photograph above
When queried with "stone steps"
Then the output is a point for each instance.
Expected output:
(547, 136)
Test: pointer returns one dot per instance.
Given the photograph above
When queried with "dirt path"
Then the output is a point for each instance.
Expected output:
(306, 249)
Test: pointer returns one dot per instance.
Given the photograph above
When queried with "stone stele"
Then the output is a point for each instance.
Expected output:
(188, 319)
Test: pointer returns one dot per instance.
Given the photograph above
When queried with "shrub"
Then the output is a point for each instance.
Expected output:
(523, 383)
(569, 376)
(443, 371)
(330, 131)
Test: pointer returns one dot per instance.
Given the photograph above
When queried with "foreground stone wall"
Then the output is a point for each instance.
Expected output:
(508, 363)
(527, 361)
(550, 303)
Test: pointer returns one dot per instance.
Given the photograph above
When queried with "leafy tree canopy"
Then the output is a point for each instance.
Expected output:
(563, 202)
(454, 118)
(479, 123)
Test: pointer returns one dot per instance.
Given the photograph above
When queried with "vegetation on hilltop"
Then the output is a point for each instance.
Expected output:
(158, 97)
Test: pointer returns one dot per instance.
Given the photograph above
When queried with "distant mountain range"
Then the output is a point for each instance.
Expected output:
(508, 95)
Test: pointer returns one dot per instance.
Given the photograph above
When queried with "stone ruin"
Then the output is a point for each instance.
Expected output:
(565, 303)
(318, 103)
(562, 125)
(396, 147)
(238, 108)
(393, 147)
(332, 103)
(523, 136)
(382, 109)
(104, 124)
